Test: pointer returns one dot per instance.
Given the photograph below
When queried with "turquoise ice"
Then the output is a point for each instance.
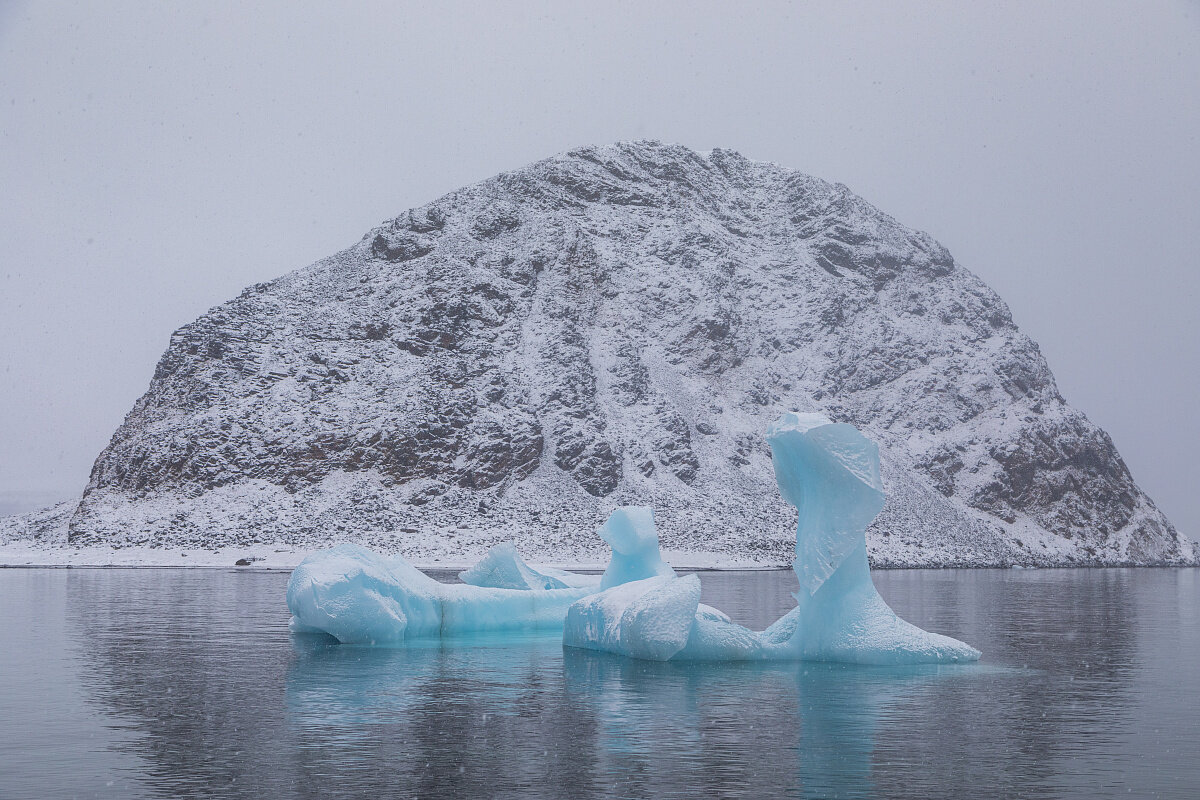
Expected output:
(503, 568)
(361, 597)
(640, 607)
(631, 534)
(830, 472)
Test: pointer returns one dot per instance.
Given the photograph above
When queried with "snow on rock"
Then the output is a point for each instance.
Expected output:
(47, 528)
(609, 327)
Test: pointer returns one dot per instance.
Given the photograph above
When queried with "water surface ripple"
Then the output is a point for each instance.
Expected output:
(185, 683)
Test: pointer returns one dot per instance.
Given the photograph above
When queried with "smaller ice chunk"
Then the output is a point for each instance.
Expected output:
(361, 597)
(631, 533)
(503, 568)
(358, 596)
(649, 618)
(658, 619)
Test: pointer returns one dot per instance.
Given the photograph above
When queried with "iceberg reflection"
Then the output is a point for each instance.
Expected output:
(499, 713)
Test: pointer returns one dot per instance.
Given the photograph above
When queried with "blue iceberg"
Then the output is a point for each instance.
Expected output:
(361, 597)
(650, 618)
(631, 534)
(503, 568)
(830, 472)
(640, 607)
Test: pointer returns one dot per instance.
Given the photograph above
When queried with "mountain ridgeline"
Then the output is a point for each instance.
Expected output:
(616, 325)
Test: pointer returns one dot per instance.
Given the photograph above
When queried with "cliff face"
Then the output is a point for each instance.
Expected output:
(611, 326)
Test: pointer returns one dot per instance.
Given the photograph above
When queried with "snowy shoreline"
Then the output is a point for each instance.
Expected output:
(277, 558)
(39, 540)
(19, 554)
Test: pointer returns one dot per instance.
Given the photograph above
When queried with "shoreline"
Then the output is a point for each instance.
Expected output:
(274, 558)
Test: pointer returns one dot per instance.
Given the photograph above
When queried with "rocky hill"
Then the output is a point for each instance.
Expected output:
(615, 325)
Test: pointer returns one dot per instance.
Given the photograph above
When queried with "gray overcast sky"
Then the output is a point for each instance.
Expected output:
(155, 158)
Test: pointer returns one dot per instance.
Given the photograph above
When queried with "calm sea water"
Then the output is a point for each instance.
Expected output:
(185, 683)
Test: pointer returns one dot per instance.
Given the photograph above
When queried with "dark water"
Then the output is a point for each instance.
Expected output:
(177, 683)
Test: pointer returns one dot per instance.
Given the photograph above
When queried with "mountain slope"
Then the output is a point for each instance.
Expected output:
(616, 325)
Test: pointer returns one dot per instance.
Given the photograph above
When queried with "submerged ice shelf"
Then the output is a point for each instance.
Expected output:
(640, 607)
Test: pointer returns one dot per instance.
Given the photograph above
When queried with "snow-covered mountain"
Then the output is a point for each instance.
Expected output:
(615, 325)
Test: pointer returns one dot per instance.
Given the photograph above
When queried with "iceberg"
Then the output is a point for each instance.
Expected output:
(361, 597)
(640, 607)
(649, 618)
(503, 568)
(830, 473)
(631, 534)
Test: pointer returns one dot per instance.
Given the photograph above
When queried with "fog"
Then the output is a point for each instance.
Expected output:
(156, 158)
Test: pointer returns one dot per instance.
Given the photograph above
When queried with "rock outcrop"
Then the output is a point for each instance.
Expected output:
(616, 326)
